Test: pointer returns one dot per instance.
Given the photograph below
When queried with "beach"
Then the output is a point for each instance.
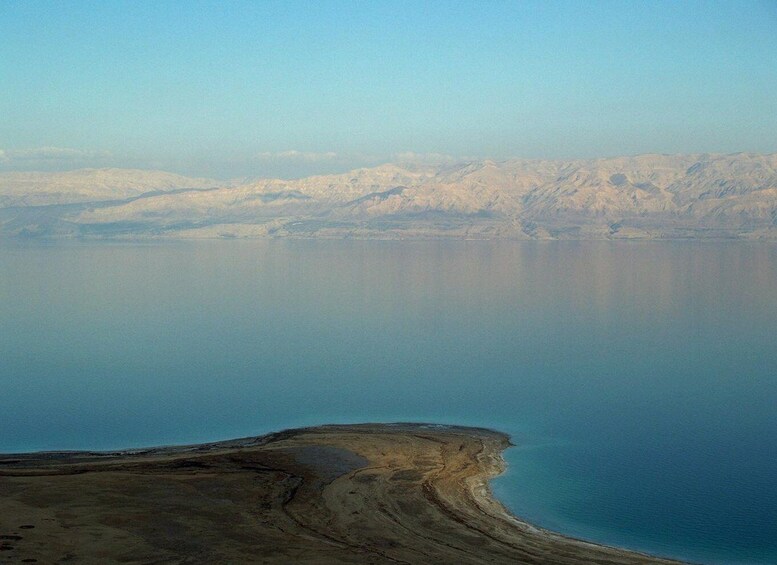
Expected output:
(366, 493)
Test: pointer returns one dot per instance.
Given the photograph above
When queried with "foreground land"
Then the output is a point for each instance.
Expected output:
(398, 493)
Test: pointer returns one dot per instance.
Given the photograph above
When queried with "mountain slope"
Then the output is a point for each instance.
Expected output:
(645, 196)
(88, 185)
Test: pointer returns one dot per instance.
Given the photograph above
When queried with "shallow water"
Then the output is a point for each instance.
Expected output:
(637, 379)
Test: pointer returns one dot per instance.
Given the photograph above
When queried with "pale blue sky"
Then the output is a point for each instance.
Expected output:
(289, 88)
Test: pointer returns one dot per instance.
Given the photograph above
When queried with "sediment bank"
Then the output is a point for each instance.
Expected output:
(368, 493)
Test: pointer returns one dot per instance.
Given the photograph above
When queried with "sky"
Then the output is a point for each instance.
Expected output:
(231, 89)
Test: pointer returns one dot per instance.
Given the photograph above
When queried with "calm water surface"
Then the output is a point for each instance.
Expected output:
(638, 380)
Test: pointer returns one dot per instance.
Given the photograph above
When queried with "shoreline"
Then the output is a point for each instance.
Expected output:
(376, 493)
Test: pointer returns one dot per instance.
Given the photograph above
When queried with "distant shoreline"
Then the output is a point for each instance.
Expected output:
(638, 197)
(379, 493)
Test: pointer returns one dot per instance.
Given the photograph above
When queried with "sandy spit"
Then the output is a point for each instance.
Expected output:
(367, 493)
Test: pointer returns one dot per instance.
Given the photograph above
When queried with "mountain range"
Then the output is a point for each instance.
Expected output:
(638, 197)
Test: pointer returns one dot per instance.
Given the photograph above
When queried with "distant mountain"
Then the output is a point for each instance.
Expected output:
(644, 197)
(88, 185)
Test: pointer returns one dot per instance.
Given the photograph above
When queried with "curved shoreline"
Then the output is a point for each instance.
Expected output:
(364, 493)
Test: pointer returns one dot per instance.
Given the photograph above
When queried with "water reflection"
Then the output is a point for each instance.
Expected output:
(653, 363)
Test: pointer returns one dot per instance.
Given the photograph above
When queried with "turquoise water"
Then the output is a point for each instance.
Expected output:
(638, 380)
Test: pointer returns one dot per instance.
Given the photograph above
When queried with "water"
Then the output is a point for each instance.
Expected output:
(638, 379)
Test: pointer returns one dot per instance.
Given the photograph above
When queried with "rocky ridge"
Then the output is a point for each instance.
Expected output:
(642, 197)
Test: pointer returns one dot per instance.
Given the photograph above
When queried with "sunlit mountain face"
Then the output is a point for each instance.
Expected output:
(642, 197)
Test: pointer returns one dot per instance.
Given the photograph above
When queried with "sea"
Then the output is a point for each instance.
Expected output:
(638, 380)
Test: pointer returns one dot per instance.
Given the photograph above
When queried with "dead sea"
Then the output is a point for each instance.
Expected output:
(363, 493)
(637, 380)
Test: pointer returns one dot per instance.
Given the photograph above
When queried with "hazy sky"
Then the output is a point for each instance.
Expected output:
(289, 88)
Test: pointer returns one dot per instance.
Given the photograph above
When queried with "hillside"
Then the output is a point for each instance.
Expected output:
(645, 197)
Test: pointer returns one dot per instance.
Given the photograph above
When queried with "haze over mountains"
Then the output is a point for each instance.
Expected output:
(644, 197)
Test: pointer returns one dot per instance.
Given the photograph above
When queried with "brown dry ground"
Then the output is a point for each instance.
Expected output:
(372, 493)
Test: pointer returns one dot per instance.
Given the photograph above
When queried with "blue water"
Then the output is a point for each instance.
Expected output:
(638, 380)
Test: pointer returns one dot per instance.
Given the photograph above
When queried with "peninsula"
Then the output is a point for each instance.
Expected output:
(370, 493)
